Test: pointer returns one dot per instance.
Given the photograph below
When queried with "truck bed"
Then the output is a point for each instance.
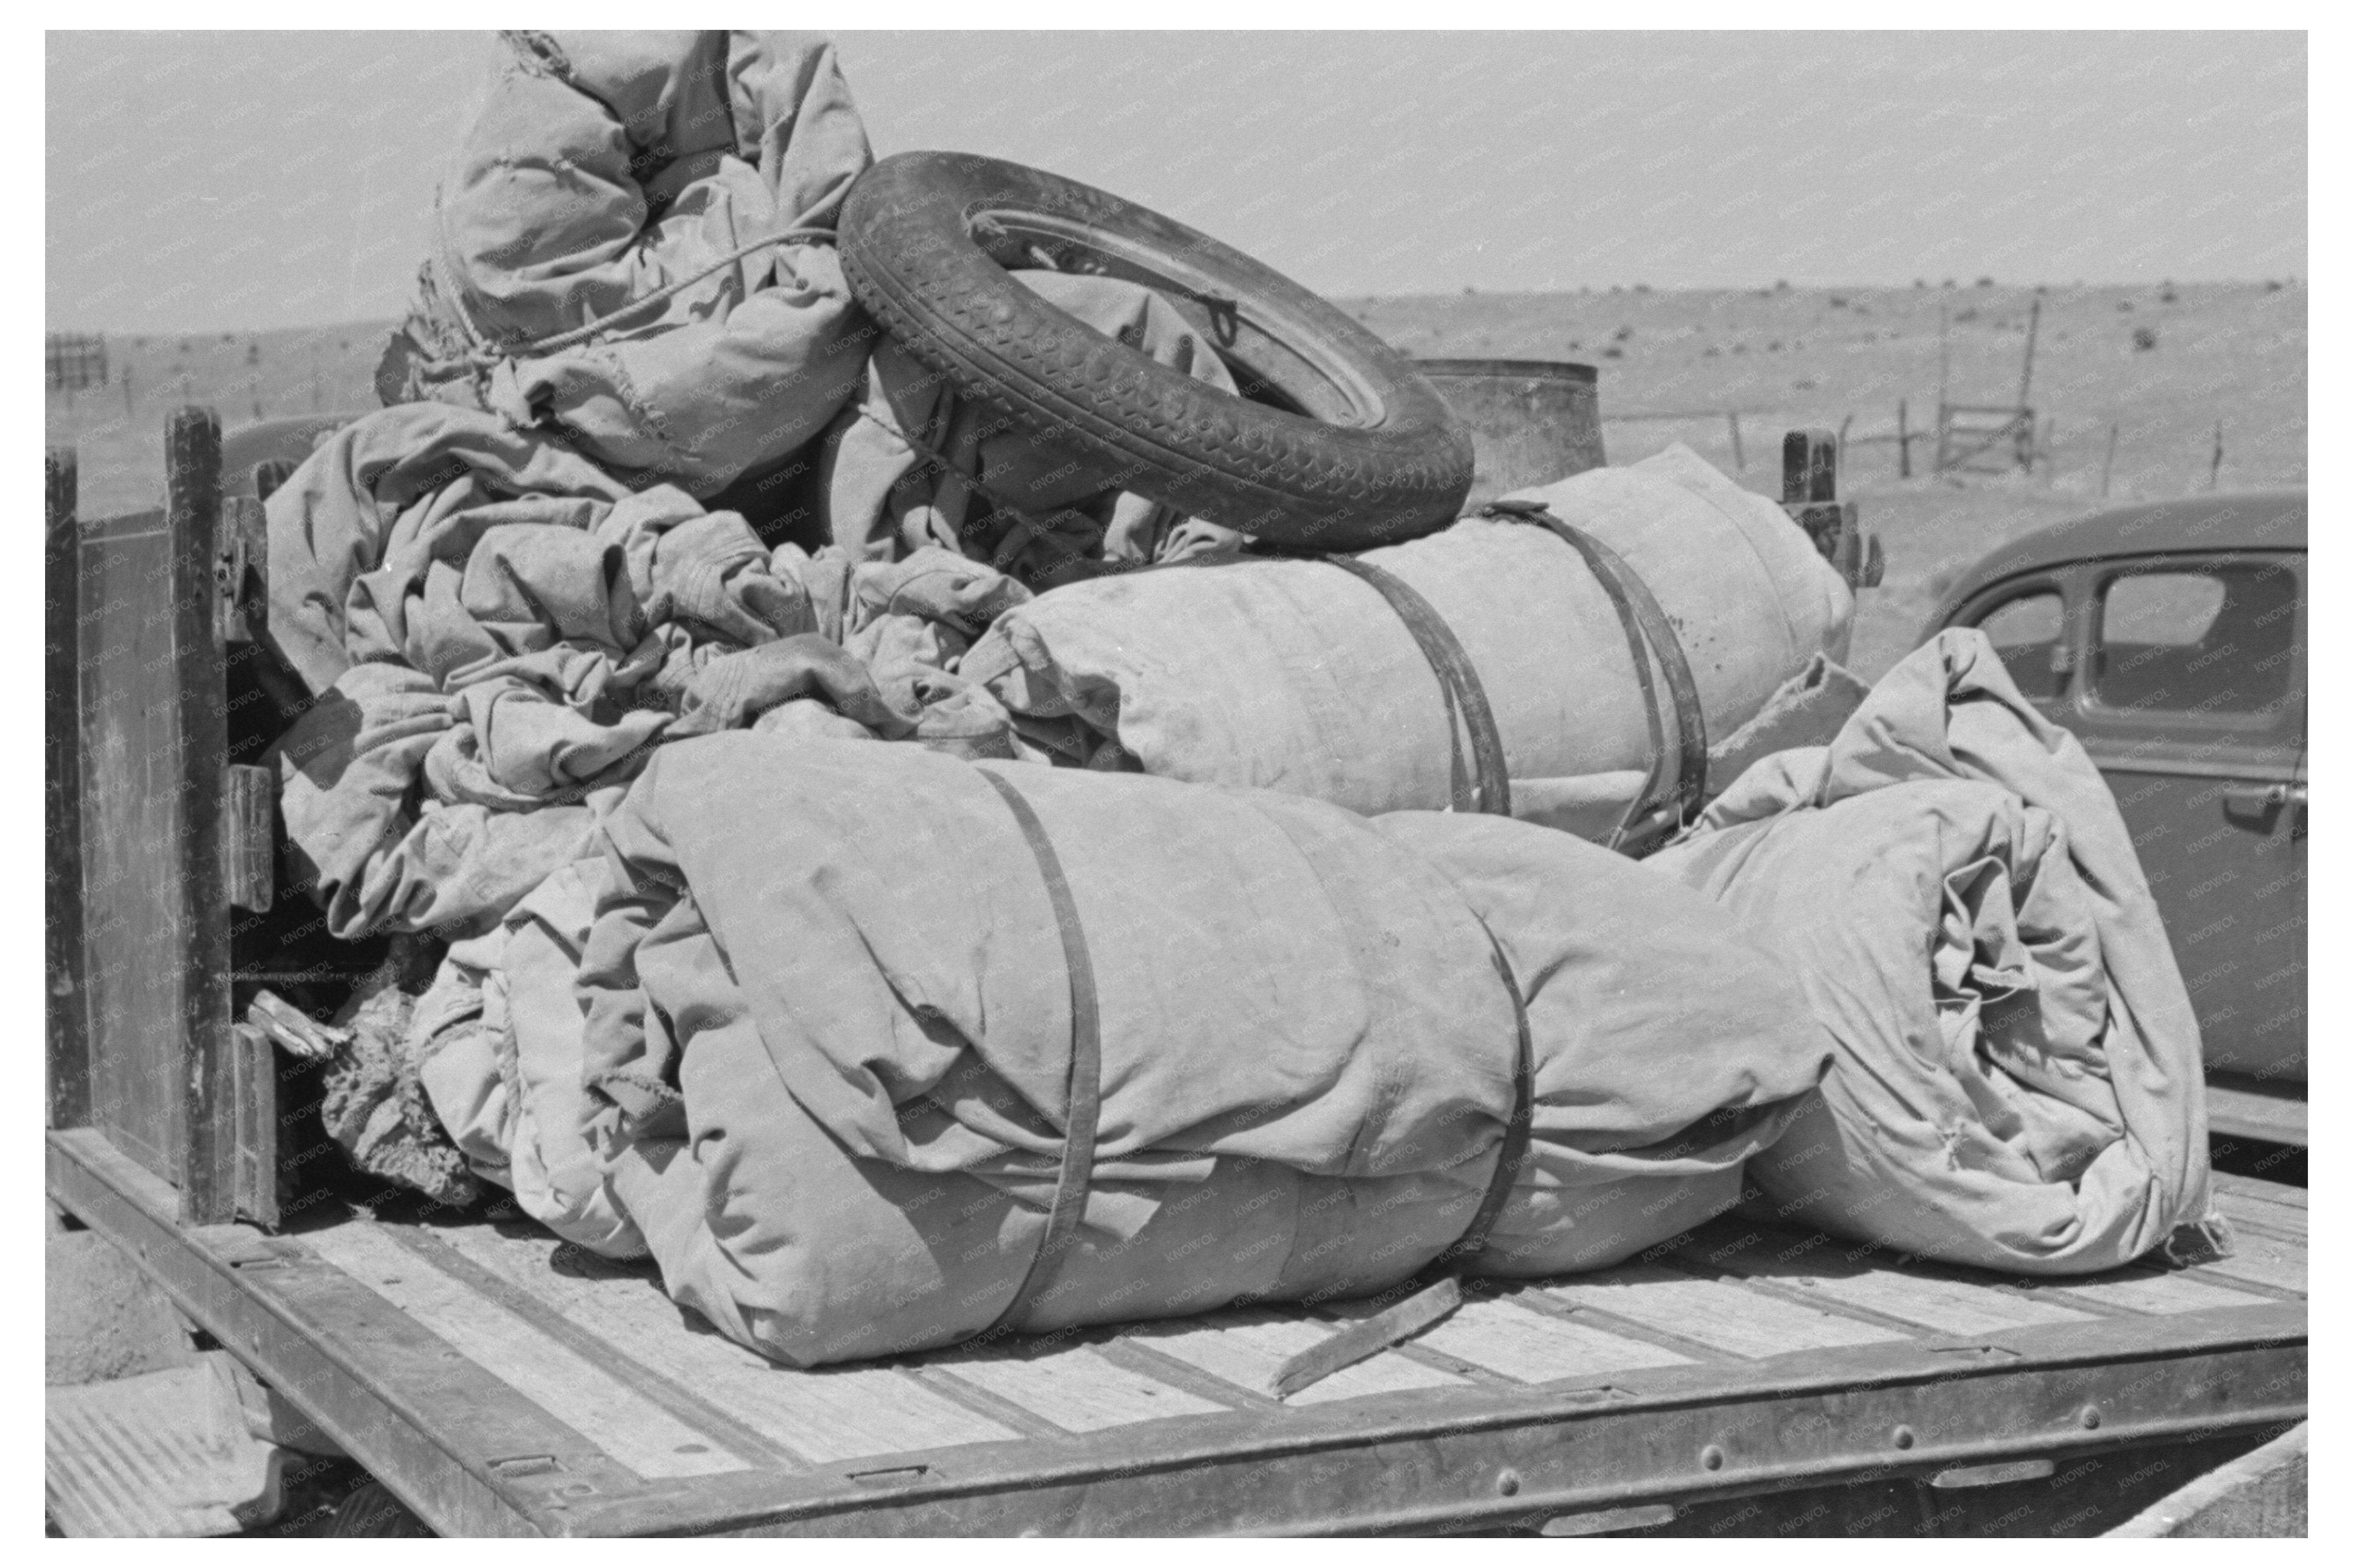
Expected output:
(503, 1383)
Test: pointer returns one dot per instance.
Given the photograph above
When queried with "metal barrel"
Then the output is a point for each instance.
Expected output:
(1532, 421)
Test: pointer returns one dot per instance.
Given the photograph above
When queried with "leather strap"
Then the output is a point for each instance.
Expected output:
(1084, 1097)
(1657, 813)
(1488, 786)
(1438, 1288)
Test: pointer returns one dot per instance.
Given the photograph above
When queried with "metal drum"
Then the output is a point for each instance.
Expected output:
(1532, 421)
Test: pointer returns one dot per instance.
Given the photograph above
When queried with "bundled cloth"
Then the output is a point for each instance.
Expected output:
(2018, 1080)
(634, 244)
(635, 248)
(875, 1049)
(1356, 686)
(499, 633)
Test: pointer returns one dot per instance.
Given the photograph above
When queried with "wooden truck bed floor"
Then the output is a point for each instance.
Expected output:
(503, 1383)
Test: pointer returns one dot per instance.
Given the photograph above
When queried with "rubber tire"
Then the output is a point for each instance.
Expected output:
(1294, 481)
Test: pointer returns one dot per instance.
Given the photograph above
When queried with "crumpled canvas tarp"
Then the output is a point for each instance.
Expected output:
(2019, 1081)
(499, 634)
(804, 1034)
(629, 179)
(611, 170)
(1293, 675)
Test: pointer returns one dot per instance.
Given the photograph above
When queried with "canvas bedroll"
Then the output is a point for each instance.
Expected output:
(2017, 1082)
(1291, 674)
(807, 1035)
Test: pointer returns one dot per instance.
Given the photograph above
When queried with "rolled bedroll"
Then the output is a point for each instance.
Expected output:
(885, 1049)
(2018, 1082)
(1360, 681)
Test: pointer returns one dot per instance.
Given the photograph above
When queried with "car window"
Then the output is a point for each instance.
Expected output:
(2216, 638)
(2028, 631)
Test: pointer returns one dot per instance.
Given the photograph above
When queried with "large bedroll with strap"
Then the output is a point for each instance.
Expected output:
(1572, 656)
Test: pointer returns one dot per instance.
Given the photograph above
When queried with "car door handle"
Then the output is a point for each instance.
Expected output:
(2266, 797)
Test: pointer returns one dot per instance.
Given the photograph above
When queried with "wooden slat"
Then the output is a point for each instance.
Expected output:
(685, 1403)
(248, 842)
(1076, 1389)
(2278, 1114)
(131, 811)
(255, 1100)
(243, 588)
(1533, 1348)
(66, 996)
(1948, 1306)
(203, 1061)
(851, 1413)
(1248, 1351)
(2247, 1209)
(2256, 1187)
(2160, 1294)
(625, 1424)
(2266, 1259)
(1718, 1313)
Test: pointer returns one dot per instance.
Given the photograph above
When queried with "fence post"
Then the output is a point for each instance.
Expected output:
(2108, 464)
(1739, 463)
(1902, 440)
(2215, 470)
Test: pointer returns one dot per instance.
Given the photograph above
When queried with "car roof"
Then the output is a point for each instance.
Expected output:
(2253, 520)
(2258, 520)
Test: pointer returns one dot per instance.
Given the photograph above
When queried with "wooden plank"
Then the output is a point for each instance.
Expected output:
(414, 1412)
(2265, 1260)
(248, 837)
(241, 580)
(67, 1026)
(1948, 1306)
(2160, 1294)
(1530, 1347)
(131, 823)
(2243, 1208)
(256, 1064)
(2256, 1496)
(2275, 1114)
(616, 1419)
(1718, 1313)
(681, 1399)
(205, 1065)
(1076, 1388)
(2256, 1187)
(1247, 1352)
(850, 1412)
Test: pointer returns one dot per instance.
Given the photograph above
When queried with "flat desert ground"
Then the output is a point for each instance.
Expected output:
(2231, 355)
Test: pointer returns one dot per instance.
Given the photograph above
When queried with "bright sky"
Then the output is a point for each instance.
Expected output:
(215, 182)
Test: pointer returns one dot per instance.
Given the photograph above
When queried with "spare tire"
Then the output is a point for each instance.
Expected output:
(1339, 444)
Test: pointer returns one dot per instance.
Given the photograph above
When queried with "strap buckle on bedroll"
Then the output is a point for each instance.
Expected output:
(1661, 808)
(1437, 1291)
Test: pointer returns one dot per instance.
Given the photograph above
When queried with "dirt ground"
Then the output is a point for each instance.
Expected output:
(2232, 355)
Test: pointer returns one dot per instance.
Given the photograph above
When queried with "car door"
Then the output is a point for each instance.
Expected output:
(2188, 693)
